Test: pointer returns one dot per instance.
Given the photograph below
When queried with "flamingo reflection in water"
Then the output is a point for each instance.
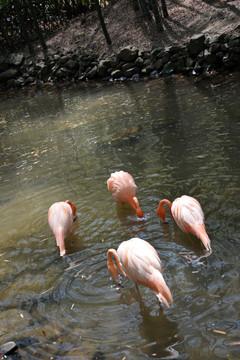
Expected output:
(139, 261)
(60, 218)
(123, 189)
(188, 214)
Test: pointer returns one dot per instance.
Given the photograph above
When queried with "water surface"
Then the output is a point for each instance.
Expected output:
(175, 136)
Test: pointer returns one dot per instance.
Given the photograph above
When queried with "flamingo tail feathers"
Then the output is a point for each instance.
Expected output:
(60, 243)
(200, 231)
(163, 294)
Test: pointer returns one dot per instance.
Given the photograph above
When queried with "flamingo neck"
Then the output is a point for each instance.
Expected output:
(112, 268)
(161, 212)
(137, 207)
(73, 207)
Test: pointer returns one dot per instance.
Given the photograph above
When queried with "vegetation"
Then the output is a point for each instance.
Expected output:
(22, 22)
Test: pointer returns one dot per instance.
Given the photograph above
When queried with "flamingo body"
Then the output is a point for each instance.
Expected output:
(139, 261)
(123, 189)
(189, 216)
(60, 218)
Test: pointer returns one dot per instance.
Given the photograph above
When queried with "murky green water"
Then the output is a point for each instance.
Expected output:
(175, 136)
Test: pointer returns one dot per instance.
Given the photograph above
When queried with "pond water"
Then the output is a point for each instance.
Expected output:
(175, 136)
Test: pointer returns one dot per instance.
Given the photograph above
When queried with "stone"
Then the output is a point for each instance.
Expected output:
(8, 348)
(128, 53)
(15, 59)
(139, 61)
(71, 64)
(116, 74)
(173, 49)
(154, 74)
(92, 73)
(132, 71)
(127, 66)
(103, 67)
(214, 48)
(168, 68)
(9, 74)
(62, 72)
(196, 44)
(158, 64)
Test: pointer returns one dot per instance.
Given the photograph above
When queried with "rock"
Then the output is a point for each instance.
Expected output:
(114, 61)
(168, 69)
(71, 64)
(196, 44)
(158, 64)
(173, 49)
(92, 73)
(154, 74)
(15, 59)
(62, 73)
(103, 67)
(139, 61)
(8, 348)
(234, 55)
(225, 47)
(211, 59)
(127, 66)
(136, 77)
(9, 74)
(131, 71)
(128, 53)
(214, 48)
(116, 74)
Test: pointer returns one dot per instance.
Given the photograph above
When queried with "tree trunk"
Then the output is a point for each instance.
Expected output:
(157, 16)
(37, 28)
(23, 28)
(164, 8)
(135, 5)
(145, 10)
(101, 19)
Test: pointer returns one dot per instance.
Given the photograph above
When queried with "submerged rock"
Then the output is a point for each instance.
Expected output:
(8, 348)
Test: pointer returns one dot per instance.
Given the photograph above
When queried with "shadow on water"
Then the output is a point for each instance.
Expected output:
(161, 335)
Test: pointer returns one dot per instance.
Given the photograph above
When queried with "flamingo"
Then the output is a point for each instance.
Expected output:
(60, 218)
(123, 189)
(139, 261)
(188, 214)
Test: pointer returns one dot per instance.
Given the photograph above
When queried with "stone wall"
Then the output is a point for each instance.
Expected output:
(201, 54)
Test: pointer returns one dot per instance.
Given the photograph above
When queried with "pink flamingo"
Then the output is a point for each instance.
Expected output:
(188, 214)
(60, 218)
(123, 189)
(139, 261)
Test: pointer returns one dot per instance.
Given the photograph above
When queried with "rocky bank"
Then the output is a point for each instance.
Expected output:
(202, 53)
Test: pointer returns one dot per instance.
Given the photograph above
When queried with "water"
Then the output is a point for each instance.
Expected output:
(175, 136)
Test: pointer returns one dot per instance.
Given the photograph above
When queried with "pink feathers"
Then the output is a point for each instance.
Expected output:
(139, 261)
(60, 218)
(123, 189)
(188, 214)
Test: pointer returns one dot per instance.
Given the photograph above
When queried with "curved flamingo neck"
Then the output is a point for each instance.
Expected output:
(73, 207)
(137, 207)
(161, 212)
(111, 265)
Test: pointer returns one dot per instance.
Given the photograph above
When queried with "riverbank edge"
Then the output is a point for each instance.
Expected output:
(201, 54)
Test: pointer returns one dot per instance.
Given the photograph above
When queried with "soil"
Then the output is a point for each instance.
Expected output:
(126, 27)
